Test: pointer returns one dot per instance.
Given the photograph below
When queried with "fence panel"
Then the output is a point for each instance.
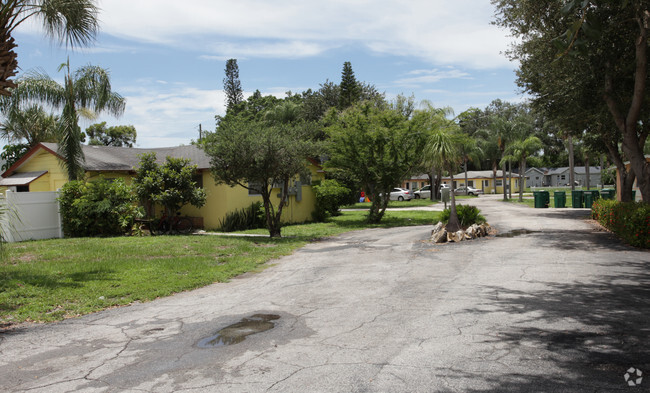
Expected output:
(31, 216)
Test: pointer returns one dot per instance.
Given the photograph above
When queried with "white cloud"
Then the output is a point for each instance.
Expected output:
(439, 31)
(430, 76)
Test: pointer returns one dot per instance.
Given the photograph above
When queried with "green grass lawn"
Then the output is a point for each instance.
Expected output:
(50, 280)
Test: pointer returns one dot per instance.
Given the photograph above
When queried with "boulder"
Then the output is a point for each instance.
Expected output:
(440, 236)
(437, 227)
(456, 236)
(471, 233)
(485, 228)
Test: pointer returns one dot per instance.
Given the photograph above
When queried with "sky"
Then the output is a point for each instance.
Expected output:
(167, 58)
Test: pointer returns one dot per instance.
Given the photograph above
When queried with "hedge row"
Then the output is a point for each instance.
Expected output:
(628, 220)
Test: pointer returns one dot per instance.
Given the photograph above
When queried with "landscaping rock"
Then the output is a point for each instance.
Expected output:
(437, 227)
(440, 236)
(471, 233)
(456, 236)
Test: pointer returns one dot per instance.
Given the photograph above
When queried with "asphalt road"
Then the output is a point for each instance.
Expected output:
(557, 307)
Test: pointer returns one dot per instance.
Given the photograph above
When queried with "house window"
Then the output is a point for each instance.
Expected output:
(22, 188)
(422, 184)
(486, 183)
(499, 182)
(253, 189)
(562, 177)
(470, 183)
(407, 185)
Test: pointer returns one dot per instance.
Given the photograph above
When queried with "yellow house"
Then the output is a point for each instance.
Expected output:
(41, 169)
(484, 180)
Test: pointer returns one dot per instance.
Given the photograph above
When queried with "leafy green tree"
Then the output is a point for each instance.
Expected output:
(13, 153)
(72, 21)
(232, 85)
(32, 125)
(377, 145)
(599, 65)
(170, 185)
(519, 150)
(121, 136)
(350, 88)
(98, 208)
(88, 89)
(261, 156)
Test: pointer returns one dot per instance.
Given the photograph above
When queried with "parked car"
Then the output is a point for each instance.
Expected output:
(400, 194)
(467, 191)
(424, 193)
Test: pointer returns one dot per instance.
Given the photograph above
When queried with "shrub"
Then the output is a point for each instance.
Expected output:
(98, 208)
(628, 220)
(251, 217)
(467, 215)
(330, 195)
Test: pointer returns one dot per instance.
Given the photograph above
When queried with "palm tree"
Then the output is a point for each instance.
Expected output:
(519, 150)
(443, 149)
(87, 91)
(71, 21)
(32, 125)
(470, 151)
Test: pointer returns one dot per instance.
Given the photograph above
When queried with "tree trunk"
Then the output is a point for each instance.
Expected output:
(624, 189)
(571, 164)
(522, 179)
(505, 189)
(587, 174)
(466, 174)
(633, 143)
(494, 176)
(509, 179)
(453, 225)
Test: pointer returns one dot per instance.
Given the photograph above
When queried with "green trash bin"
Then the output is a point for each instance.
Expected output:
(576, 198)
(559, 198)
(608, 193)
(589, 199)
(537, 196)
(595, 194)
(541, 199)
(547, 198)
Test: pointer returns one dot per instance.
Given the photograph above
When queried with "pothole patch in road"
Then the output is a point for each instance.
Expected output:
(237, 332)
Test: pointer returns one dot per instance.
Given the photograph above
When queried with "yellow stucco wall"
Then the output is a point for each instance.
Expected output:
(487, 189)
(221, 199)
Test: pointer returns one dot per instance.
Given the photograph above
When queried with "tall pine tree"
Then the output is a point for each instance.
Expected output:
(232, 85)
(350, 88)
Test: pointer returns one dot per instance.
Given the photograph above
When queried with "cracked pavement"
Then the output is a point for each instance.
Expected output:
(563, 308)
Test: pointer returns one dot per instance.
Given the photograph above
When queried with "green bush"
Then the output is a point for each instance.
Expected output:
(330, 196)
(251, 217)
(467, 215)
(98, 208)
(628, 220)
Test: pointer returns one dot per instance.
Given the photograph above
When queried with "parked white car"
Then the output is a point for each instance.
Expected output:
(424, 193)
(400, 194)
(467, 191)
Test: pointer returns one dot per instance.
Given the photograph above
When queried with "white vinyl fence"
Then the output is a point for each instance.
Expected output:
(30, 216)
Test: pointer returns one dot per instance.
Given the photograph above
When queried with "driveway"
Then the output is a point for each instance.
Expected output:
(551, 305)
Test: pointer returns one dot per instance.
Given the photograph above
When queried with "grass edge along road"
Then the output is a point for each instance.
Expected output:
(51, 280)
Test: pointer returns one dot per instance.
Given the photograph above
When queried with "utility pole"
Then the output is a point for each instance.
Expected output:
(200, 132)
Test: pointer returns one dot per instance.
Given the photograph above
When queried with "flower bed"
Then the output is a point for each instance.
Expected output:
(628, 220)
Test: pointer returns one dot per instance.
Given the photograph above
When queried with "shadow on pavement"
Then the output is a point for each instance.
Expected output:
(592, 332)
